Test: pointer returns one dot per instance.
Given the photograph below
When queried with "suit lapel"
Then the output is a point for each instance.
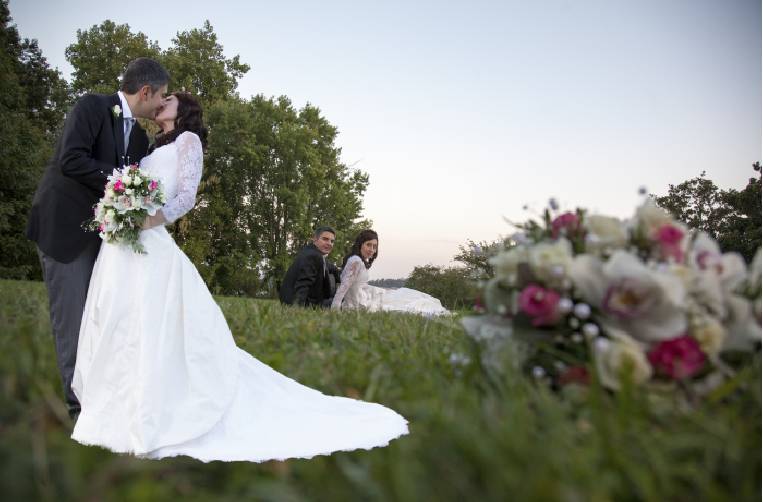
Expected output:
(118, 128)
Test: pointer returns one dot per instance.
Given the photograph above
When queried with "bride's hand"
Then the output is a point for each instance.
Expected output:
(154, 221)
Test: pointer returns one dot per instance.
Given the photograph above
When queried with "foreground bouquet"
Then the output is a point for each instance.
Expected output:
(130, 196)
(643, 301)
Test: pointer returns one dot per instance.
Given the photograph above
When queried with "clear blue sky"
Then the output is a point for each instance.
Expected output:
(464, 112)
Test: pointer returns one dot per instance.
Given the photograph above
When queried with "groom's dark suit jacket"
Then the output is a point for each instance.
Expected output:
(90, 147)
(306, 283)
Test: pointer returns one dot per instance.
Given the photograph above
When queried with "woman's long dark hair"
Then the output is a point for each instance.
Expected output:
(364, 236)
(189, 118)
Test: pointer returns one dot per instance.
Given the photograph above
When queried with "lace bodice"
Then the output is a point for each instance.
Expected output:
(178, 165)
(353, 282)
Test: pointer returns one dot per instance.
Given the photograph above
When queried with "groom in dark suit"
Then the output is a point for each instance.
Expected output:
(311, 279)
(99, 134)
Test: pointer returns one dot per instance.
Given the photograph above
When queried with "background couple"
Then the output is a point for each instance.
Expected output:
(148, 363)
(311, 279)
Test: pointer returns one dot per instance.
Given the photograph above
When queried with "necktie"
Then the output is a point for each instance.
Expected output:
(128, 122)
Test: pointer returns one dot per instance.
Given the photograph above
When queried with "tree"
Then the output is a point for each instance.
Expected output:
(33, 98)
(196, 63)
(741, 229)
(272, 174)
(101, 54)
(453, 286)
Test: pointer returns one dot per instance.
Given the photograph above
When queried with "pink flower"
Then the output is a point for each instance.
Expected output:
(540, 304)
(669, 238)
(101, 227)
(119, 186)
(575, 374)
(152, 186)
(565, 224)
(677, 358)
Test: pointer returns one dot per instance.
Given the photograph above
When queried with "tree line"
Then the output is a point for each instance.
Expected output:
(272, 171)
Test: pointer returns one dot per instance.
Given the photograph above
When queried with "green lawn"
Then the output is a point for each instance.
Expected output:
(472, 437)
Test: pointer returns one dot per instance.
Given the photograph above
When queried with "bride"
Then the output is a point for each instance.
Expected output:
(354, 292)
(158, 373)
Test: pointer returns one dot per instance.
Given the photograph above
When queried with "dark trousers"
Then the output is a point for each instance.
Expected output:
(67, 285)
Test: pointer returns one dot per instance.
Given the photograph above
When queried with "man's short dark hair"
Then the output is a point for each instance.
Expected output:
(144, 71)
(320, 230)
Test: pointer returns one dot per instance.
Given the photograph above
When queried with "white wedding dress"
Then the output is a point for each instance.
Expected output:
(354, 292)
(159, 375)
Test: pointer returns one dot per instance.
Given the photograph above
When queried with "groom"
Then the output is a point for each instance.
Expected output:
(311, 279)
(99, 134)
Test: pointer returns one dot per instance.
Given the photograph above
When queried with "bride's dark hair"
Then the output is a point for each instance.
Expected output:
(363, 236)
(189, 118)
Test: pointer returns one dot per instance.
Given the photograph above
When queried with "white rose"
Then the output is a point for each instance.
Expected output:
(618, 357)
(506, 262)
(604, 232)
(128, 191)
(650, 217)
(110, 214)
(551, 260)
(710, 335)
(109, 194)
(126, 180)
(137, 180)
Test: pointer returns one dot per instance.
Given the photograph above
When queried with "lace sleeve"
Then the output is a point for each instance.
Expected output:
(190, 158)
(349, 276)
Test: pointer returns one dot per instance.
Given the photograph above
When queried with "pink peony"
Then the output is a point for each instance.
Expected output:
(677, 358)
(119, 186)
(669, 238)
(152, 186)
(565, 224)
(540, 304)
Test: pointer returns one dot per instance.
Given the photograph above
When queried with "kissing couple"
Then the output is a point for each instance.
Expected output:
(148, 363)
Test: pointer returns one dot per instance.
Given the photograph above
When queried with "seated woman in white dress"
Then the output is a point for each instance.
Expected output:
(354, 292)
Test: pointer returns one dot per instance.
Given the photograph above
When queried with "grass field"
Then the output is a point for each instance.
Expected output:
(472, 437)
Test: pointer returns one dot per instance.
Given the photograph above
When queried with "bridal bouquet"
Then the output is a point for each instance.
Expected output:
(644, 301)
(130, 196)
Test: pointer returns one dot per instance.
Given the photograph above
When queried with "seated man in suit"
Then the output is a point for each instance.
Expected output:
(311, 279)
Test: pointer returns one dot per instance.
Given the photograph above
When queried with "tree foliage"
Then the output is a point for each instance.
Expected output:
(453, 286)
(101, 53)
(33, 98)
(197, 64)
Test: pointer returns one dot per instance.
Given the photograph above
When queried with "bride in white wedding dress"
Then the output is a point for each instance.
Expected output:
(354, 292)
(158, 373)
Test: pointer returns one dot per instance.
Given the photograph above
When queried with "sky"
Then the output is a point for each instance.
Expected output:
(463, 113)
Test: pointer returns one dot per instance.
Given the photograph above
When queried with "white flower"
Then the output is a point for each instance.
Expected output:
(604, 232)
(710, 335)
(505, 263)
(650, 217)
(618, 357)
(109, 194)
(565, 305)
(126, 180)
(110, 215)
(754, 278)
(551, 260)
(116, 110)
(128, 191)
(582, 311)
(648, 304)
(742, 324)
(137, 180)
